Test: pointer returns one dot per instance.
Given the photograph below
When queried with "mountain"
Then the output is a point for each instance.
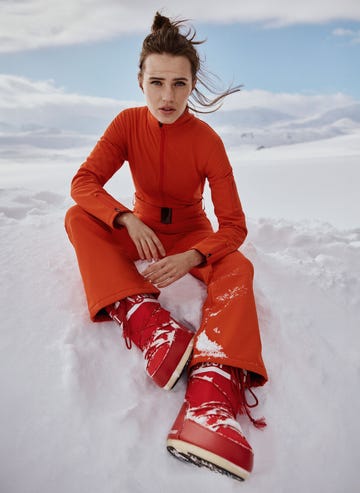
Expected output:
(261, 127)
(256, 126)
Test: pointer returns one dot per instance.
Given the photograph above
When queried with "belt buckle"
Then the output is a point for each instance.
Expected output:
(166, 215)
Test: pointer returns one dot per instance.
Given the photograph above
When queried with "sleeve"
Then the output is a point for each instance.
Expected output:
(232, 229)
(106, 158)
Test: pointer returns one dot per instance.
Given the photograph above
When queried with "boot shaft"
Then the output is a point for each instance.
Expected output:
(224, 385)
(211, 382)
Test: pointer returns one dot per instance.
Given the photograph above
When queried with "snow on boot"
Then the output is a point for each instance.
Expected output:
(166, 345)
(205, 431)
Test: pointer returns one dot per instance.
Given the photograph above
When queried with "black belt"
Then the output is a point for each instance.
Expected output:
(168, 215)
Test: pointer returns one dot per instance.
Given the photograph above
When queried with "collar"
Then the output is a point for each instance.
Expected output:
(185, 118)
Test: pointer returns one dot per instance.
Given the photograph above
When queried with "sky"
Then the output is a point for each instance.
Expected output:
(71, 66)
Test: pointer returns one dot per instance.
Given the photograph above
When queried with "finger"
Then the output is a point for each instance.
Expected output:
(156, 247)
(159, 246)
(154, 279)
(166, 282)
(165, 276)
(154, 268)
(157, 276)
(153, 249)
(147, 251)
(140, 250)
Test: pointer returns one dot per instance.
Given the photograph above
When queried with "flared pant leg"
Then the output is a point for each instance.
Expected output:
(229, 331)
(106, 261)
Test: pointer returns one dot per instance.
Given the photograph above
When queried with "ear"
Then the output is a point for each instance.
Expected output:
(194, 84)
(140, 82)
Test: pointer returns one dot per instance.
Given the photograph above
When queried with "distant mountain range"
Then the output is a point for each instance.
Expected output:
(261, 127)
(256, 127)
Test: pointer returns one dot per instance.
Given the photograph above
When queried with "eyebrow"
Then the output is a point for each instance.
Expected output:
(163, 78)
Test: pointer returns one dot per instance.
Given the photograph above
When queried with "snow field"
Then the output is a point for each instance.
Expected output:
(78, 412)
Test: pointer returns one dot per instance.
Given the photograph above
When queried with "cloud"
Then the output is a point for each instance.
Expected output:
(299, 105)
(28, 104)
(32, 24)
(39, 115)
(353, 35)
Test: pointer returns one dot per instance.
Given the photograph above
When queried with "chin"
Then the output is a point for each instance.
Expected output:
(171, 120)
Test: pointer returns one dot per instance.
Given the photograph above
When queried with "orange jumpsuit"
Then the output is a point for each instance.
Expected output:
(169, 166)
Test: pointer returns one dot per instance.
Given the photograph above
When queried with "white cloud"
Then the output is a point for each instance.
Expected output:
(352, 34)
(342, 32)
(32, 24)
(42, 115)
(24, 102)
(301, 105)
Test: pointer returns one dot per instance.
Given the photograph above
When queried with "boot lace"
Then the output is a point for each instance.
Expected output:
(118, 313)
(241, 383)
(159, 326)
(241, 380)
(162, 335)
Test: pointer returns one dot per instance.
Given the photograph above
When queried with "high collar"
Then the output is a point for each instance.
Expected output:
(185, 118)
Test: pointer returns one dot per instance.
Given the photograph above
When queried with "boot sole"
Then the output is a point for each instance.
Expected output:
(203, 458)
(180, 367)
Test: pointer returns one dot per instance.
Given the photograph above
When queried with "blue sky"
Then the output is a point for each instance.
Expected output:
(68, 68)
(308, 58)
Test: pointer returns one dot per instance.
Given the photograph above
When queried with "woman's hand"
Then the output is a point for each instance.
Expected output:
(148, 245)
(169, 269)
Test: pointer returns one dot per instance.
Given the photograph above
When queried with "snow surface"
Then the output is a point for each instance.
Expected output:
(77, 412)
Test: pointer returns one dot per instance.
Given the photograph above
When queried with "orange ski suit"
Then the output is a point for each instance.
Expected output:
(169, 166)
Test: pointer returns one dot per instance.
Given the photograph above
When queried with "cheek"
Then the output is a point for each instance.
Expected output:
(148, 94)
(187, 95)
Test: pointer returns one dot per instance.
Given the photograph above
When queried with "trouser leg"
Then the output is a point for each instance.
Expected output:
(229, 331)
(106, 261)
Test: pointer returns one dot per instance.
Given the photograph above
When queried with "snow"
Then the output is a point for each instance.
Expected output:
(79, 414)
(207, 347)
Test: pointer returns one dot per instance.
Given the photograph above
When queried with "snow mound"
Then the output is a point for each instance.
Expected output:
(78, 412)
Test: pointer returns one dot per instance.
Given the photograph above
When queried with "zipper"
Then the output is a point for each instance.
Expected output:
(162, 161)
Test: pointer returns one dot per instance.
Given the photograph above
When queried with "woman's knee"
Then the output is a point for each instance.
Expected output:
(72, 216)
(78, 219)
(247, 265)
(237, 263)
(71, 213)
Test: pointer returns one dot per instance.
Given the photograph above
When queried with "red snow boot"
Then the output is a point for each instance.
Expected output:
(166, 345)
(205, 431)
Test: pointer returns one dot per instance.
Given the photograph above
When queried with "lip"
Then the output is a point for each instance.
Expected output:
(167, 110)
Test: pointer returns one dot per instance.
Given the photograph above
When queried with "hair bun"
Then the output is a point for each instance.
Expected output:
(161, 22)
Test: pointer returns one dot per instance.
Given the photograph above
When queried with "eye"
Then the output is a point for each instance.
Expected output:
(179, 83)
(155, 83)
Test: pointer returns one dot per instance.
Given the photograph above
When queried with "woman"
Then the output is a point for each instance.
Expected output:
(171, 154)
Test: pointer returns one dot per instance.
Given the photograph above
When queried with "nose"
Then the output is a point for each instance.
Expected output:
(167, 93)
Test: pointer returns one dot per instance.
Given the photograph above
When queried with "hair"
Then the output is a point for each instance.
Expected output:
(165, 37)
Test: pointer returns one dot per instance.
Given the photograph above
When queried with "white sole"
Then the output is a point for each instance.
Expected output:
(181, 365)
(201, 457)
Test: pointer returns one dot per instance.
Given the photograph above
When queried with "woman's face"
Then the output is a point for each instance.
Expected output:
(167, 83)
